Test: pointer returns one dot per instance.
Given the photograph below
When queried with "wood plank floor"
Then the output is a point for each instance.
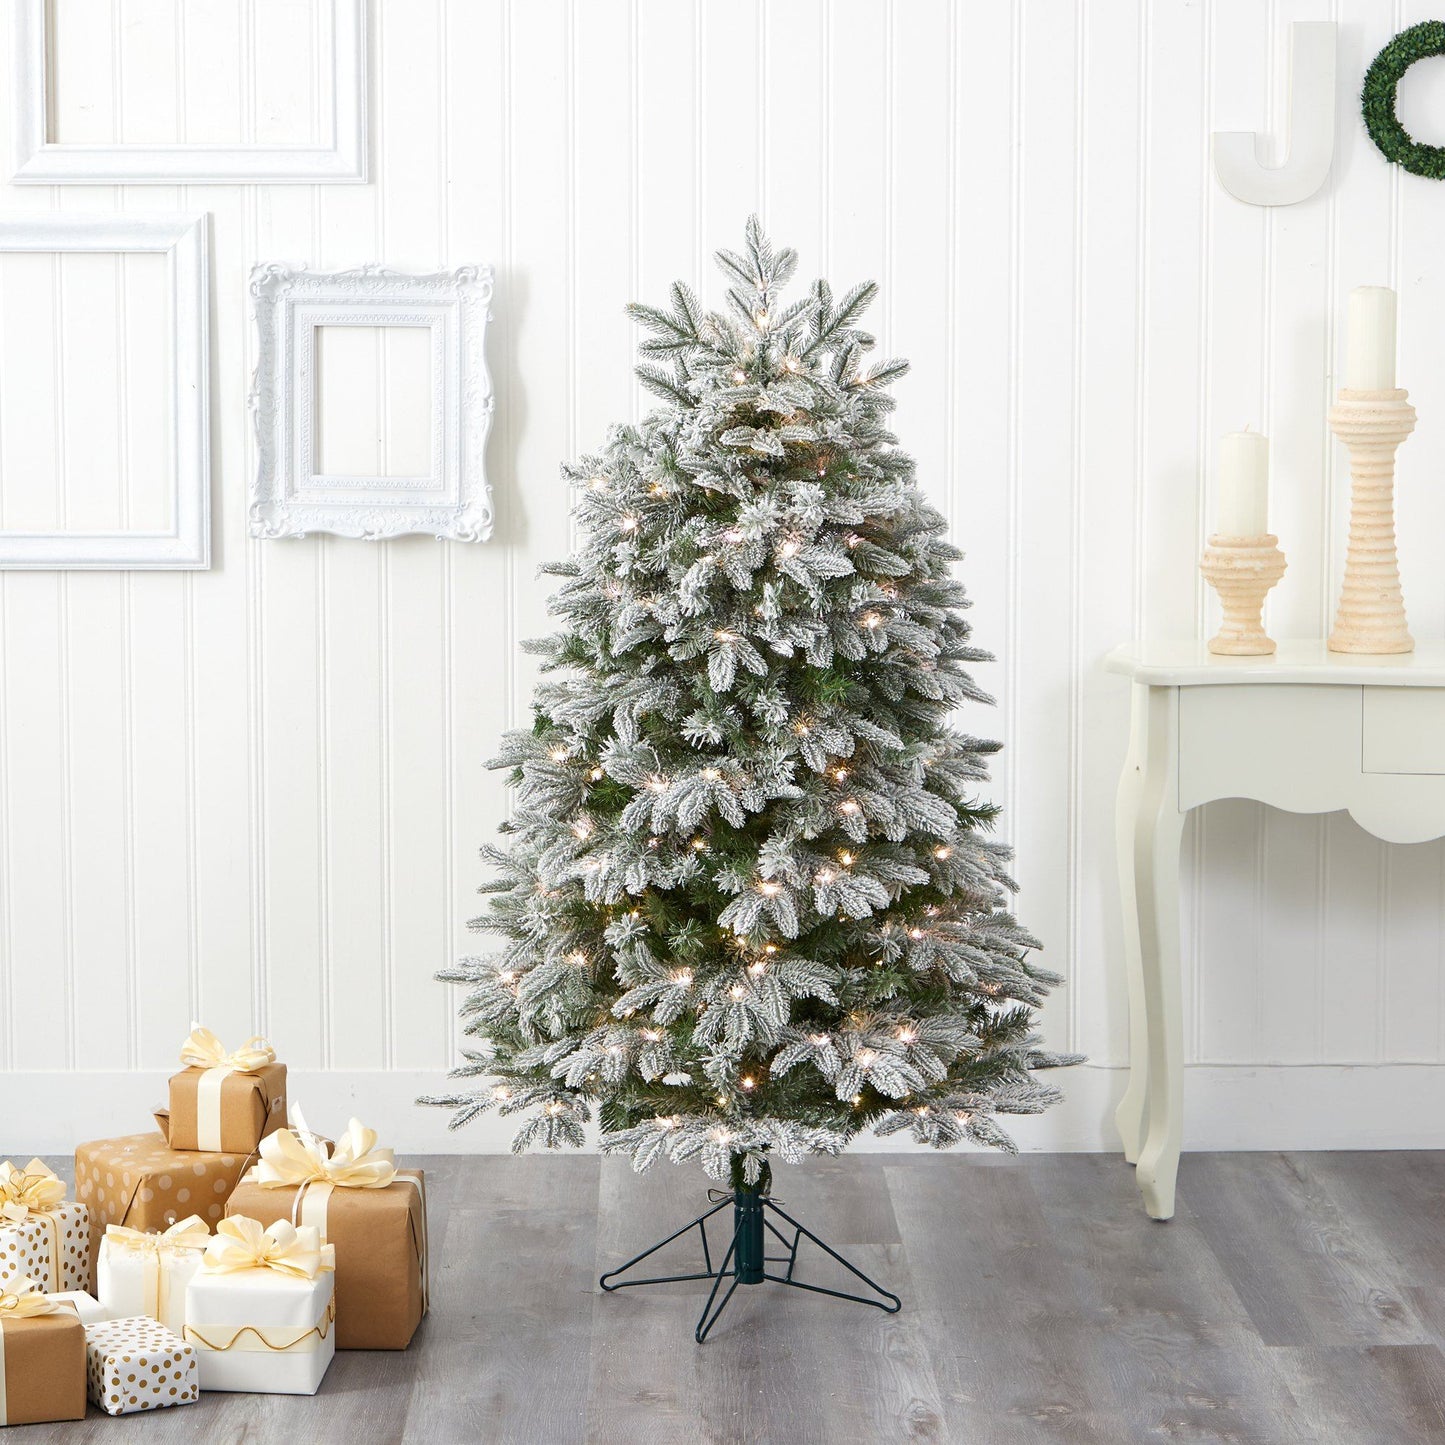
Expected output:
(1296, 1297)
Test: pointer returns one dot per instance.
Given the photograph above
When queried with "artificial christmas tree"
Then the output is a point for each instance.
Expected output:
(751, 904)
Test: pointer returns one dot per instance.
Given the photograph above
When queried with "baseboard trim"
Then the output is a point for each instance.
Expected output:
(1266, 1106)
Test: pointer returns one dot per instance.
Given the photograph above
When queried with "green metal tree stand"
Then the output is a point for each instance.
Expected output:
(746, 1260)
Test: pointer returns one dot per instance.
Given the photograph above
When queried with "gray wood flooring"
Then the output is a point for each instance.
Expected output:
(1296, 1297)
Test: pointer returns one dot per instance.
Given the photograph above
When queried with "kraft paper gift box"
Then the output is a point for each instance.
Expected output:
(139, 1273)
(374, 1214)
(137, 1364)
(42, 1358)
(141, 1182)
(226, 1102)
(42, 1237)
(260, 1311)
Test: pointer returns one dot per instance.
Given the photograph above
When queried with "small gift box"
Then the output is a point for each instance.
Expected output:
(223, 1101)
(138, 1364)
(147, 1274)
(260, 1311)
(360, 1202)
(42, 1357)
(141, 1182)
(42, 1237)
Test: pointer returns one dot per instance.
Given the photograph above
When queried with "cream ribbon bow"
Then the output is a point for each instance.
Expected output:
(297, 1156)
(35, 1188)
(190, 1233)
(242, 1243)
(26, 1300)
(203, 1050)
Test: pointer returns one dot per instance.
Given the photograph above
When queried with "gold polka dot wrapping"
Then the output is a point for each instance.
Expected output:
(137, 1364)
(52, 1248)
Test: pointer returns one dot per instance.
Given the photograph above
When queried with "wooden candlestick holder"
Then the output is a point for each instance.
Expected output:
(1371, 614)
(1242, 570)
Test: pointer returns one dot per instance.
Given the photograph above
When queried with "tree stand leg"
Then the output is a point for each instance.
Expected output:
(746, 1260)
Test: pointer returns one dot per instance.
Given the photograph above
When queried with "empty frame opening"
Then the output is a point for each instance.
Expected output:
(374, 401)
(86, 424)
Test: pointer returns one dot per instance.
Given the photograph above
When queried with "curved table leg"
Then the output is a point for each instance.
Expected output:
(1130, 1116)
(1158, 827)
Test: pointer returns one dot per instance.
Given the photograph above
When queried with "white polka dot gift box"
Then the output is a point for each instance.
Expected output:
(42, 1236)
(260, 1311)
(138, 1364)
(139, 1273)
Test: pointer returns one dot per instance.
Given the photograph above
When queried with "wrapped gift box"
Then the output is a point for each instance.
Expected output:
(138, 1364)
(146, 1274)
(90, 1309)
(142, 1183)
(51, 1247)
(374, 1214)
(226, 1102)
(42, 1359)
(260, 1329)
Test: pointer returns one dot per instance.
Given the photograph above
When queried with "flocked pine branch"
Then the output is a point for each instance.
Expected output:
(750, 902)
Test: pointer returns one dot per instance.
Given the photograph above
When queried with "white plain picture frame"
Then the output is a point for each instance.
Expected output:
(40, 161)
(290, 497)
(182, 240)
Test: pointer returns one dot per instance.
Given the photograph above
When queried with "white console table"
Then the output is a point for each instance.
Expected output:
(1306, 730)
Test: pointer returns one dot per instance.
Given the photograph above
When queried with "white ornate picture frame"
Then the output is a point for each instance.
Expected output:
(38, 160)
(181, 239)
(291, 496)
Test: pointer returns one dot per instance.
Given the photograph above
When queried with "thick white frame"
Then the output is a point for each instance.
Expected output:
(289, 497)
(182, 240)
(40, 161)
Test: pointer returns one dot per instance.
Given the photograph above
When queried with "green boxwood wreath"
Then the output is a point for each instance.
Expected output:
(1378, 99)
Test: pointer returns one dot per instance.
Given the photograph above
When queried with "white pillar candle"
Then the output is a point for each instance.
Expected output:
(1243, 484)
(1370, 352)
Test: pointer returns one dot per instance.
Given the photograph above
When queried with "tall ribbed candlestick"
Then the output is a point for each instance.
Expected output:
(1371, 615)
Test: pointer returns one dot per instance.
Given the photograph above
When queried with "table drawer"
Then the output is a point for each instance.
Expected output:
(1404, 730)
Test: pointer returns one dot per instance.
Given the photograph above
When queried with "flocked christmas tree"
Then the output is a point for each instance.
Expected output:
(751, 904)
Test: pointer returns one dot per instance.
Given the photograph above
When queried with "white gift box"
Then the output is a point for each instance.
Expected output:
(52, 1247)
(90, 1309)
(133, 1279)
(261, 1331)
(138, 1364)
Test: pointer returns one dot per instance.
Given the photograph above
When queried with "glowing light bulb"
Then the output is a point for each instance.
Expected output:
(790, 363)
(577, 958)
(699, 845)
(555, 1108)
(723, 635)
(908, 1035)
(824, 875)
(757, 969)
(506, 976)
(915, 933)
(501, 1092)
(581, 828)
(850, 806)
(870, 620)
(653, 842)
(790, 549)
(921, 1109)
(818, 1039)
(711, 774)
(769, 889)
(852, 540)
(943, 852)
(846, 858)
(667, 1123)
(747, 1083)
(866, 1057)
(598, 484)
(656, 784)
(657, 489)
(683, 978)
(736, 991)
(614, 1049)
(857, 1099)
(840, 775)
(770, 948)
(596, 775)
(740, 376)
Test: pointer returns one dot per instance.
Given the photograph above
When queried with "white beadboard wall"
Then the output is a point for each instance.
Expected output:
(254, 795)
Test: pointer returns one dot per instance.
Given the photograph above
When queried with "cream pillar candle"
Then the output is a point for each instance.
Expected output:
(1243, 484)
(1370, 346)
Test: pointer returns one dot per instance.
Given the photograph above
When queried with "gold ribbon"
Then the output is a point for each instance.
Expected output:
(25, 1302)
(203, 1050)
(278, 1341)
(35, 1191)
(191, 1233)
(242, 1243)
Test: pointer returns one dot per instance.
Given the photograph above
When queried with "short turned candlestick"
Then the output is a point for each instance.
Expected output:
(1371, 615)
(1242, 570)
